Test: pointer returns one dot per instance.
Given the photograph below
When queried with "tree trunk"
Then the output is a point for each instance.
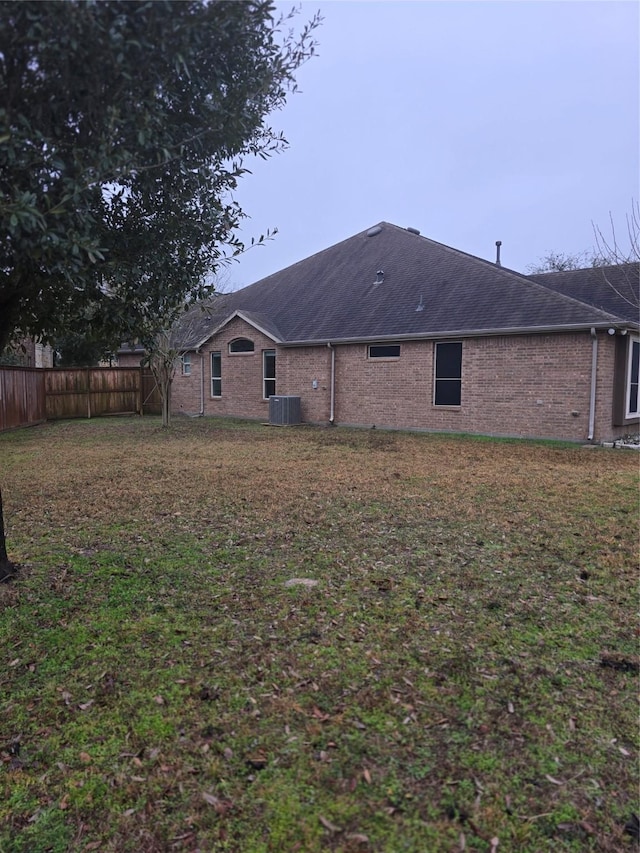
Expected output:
(7, 568)
(166, 402)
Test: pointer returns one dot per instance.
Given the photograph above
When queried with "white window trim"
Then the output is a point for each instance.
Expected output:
(219, 377)
(266, 378)
(627, 385)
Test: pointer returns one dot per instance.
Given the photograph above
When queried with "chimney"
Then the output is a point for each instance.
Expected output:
(498, 244)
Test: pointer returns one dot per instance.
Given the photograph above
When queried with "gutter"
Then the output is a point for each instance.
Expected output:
(201, 412)
(592, 395)
(464, 333)
(333, 384)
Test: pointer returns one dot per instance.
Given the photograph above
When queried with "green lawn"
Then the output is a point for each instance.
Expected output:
(463, 677)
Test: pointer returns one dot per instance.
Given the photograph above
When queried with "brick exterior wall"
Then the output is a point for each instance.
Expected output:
(520, 385)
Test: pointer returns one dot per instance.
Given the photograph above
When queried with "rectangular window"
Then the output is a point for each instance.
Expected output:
(268, 373)
(384, 351)
(448, 374)
(186, 364)
(633, 372)
(216, 374)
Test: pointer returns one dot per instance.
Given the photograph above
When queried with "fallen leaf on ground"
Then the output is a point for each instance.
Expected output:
(328, 825)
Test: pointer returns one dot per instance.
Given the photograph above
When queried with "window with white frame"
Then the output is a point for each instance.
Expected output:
(633, 373)
(268, 373)
(216, 374)
(448, 374)
(186, 364)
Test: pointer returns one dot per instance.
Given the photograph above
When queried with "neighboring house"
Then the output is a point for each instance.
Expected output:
(29, 352)
(391, 329)
(130, 355)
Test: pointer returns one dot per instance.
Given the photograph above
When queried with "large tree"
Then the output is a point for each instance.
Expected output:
(122, 131)
(123, 128)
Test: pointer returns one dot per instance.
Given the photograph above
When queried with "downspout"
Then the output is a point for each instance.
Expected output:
(201, 385)
(592, 396)
(333, 383)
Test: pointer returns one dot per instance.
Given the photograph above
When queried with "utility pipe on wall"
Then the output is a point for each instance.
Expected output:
(592, 395)
(333, 383)
(201, 384)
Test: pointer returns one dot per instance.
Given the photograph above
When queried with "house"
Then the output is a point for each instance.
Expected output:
(130, 355)
(391, 329)
(29, 352)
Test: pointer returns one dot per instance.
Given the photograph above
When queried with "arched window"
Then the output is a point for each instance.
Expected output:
(241, 345)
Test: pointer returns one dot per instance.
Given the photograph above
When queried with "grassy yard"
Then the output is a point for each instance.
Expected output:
(463, 677)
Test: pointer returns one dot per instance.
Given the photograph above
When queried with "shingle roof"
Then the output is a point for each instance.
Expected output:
(428, 289)
(615, 289)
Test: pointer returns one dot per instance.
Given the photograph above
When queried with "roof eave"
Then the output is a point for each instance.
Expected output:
(469, 333)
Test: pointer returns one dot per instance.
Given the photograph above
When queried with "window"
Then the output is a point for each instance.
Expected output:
(448, 374)
(633, 371)
(268, 373)
(186, 364)
(241, 345)
(384, 351)
(216, 374)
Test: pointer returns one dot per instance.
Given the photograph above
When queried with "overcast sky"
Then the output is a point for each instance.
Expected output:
(473, 121)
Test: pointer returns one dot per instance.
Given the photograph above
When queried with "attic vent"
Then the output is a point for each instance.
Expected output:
(373, 231)
(413, 230)
(379, 277)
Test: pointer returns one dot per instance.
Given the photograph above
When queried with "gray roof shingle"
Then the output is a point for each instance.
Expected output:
(429, 289)
(615, 289)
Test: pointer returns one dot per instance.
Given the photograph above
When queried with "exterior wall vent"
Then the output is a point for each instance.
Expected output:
(284, 410)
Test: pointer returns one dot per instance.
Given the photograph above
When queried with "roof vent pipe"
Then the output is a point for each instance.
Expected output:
(498, 244)
(379, 277)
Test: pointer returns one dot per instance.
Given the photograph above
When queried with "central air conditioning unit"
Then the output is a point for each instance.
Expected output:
(284, 411)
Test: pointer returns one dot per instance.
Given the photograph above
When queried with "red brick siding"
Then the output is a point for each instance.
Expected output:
(241, 377)
(529, 385)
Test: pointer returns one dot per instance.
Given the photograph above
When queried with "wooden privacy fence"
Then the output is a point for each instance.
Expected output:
(22, 399)
(29, 396)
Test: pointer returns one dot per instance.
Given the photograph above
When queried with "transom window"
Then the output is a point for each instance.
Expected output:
(384, 351)
(216, 374)
(241, 345)
(268, 373)
(448, 374)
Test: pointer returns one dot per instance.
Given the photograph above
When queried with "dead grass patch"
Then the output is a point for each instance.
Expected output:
(460, 673)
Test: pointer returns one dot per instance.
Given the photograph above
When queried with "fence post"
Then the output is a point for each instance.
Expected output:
(88, 394)
(141, 390)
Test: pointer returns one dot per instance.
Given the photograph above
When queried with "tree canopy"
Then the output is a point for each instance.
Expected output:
(123, 128)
